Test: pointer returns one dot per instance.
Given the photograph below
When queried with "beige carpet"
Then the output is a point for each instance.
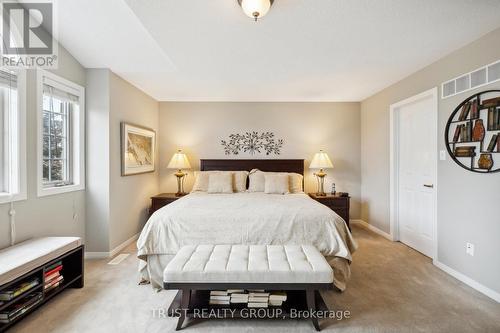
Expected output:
(393, 289)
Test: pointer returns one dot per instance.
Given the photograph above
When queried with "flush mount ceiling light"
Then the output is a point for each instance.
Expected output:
(255, 9)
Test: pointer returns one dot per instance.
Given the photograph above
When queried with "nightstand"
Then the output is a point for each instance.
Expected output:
(161, 200)
(339, 205)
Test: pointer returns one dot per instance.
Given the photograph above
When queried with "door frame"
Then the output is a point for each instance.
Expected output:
(394, 163)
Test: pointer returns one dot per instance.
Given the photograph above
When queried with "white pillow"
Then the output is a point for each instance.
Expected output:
(257, 181)
(240, 181)
(220, 182)
(296, 183)
(276, 183)
(201, 180)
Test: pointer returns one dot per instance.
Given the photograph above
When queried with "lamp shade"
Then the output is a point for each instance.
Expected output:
(321, 161)
(179, 161)
(255, 9)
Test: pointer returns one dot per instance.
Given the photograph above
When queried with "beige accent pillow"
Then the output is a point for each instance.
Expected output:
(240, 181)
(220, 182)
(276, 183)
(201, 180)
(296, 183)
(257, 181)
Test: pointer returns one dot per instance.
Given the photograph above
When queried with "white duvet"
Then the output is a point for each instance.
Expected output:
(247, 218)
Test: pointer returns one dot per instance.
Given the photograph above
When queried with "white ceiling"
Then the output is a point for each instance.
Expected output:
(303, 50)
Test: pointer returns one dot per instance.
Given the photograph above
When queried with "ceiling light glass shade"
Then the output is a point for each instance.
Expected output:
(321, 161)
(255, 9)
(179, 161)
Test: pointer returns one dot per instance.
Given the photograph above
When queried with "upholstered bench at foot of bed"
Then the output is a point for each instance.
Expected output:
(269, 267)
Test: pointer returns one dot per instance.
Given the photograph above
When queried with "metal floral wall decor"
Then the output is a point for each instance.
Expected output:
(252, 142)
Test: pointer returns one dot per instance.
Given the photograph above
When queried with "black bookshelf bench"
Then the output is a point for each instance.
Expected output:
(299, 270)
(25, 270)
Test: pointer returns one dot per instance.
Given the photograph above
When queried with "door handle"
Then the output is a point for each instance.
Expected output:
(429, 185)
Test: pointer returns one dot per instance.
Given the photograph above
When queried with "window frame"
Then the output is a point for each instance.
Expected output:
(18, 146)
(76, 160)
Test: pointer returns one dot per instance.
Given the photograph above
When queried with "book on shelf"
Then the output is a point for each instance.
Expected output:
(277, 296)
(220, 298)
(465, 132)
(275, 303)
(239, 301)
(493, 143)
(493, 119)
(51, 284)
(474, 112)
(51, 277)
(17, 290)
(258, 294)
(218, 293)
(53, 266)
(258, 299)
(465, 151)
(218, 302)
(258, 305)
(492, 102)
(456, 136)
(52, 271)
(496, 121)
(235, 291)
(465, 111)
(17, 309)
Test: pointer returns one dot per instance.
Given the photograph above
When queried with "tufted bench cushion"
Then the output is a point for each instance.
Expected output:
(26, 256)
(248, 264)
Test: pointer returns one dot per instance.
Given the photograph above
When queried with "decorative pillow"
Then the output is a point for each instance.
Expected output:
(276, 183)
(239, 181)
(257, 181)
(200, 181)
(220, 182)
(296, 183)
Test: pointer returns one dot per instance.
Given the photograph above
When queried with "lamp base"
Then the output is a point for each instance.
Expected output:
(321, 181)
(180, 184)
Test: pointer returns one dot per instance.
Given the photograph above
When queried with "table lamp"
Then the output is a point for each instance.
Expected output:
(320, 161)
(179, 161)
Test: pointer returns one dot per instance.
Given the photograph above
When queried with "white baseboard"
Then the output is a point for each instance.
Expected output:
(112, 253)
(368, 226)
(468, 281)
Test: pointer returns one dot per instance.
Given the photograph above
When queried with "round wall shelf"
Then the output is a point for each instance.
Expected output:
(472, 133)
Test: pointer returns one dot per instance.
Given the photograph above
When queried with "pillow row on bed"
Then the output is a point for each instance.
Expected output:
(259, 181)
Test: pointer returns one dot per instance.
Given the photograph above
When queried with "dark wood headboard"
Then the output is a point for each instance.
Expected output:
(263, 165)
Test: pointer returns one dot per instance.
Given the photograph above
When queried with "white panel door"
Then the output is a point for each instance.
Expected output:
(417, 173)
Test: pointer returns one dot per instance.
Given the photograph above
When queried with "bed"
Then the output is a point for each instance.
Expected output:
(245, 218)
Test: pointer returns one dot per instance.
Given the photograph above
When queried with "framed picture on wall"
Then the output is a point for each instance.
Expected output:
(138, 146)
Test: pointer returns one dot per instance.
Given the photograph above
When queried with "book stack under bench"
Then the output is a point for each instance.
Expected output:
(251, 298)
(21, 304)
(52, 277)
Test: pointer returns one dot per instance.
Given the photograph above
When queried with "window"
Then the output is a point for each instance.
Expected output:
(12, 137)
(61, 135)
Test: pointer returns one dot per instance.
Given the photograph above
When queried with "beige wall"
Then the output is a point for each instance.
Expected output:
(306, 128)
(458, 221)
(116, 206)
(129, 196)
(55, 215)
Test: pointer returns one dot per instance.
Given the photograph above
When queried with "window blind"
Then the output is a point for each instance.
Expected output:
(60, 94)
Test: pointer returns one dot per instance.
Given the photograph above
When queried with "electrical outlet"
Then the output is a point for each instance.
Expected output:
(442, 155)
(469, 249)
